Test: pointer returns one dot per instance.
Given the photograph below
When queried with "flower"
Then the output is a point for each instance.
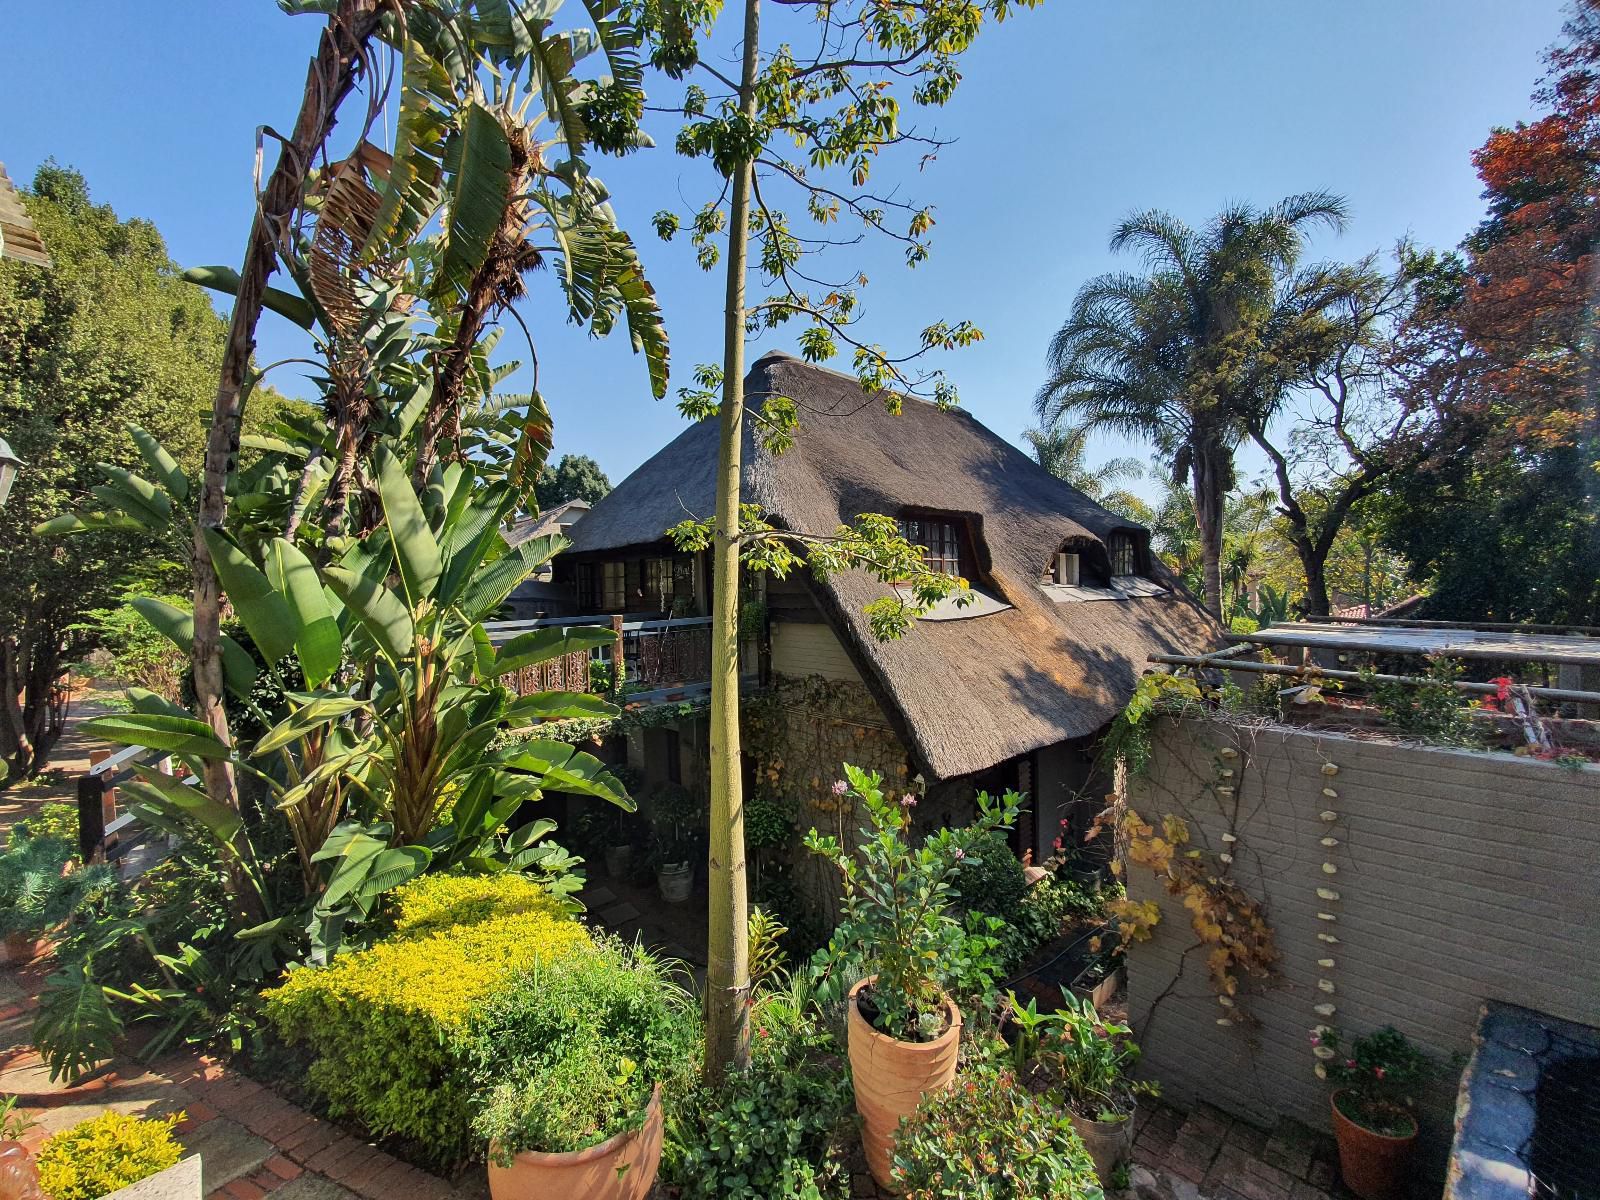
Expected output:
(960, 853)
(1316, 1040)
(1378, 1071)
(840, 787)
(908, 801)
(1057, 844)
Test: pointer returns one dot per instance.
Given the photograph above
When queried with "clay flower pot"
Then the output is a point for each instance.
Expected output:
(1373, 1164)
(676, 881)
(891, 1077)
(619, 1168)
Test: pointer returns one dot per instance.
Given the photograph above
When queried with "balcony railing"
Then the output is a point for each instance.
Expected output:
(661, 659)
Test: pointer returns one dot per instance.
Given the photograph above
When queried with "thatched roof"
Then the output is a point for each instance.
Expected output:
(966, 693)
(18, 238)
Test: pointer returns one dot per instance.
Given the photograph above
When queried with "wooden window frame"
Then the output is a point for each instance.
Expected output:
(955, 542)
(1122, 549)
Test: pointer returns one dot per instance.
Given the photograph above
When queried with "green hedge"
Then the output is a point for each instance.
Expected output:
(391, 1025)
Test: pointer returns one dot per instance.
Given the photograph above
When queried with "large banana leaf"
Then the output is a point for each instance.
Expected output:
(317, 640)
(238, 668)
(161, 463)
(134, 495)
(411, 193)
(379, 611)
(489, 587)
(565, 768)
(176, 799)
(310, 713)
(264, 610)
(560, 706)
(158, 731)
(477, 166)
(226, 280)
(415, 548)
(542, 645)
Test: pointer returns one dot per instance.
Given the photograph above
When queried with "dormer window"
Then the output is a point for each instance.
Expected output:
(1124, 555)
(940, 541)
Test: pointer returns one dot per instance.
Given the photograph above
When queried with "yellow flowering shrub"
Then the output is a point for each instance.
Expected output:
(100, 1155)
(388, 1024)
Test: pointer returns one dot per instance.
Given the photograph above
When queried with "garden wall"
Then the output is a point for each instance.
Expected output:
(1458, 876)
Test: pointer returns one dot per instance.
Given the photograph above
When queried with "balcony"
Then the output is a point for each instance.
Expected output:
(662, 660)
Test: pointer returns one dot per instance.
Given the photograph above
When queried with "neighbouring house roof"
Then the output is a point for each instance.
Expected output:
(555, 520)
(18, 238)
(1034, 669)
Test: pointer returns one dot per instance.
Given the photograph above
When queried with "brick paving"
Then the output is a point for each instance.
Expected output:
(252, 1142)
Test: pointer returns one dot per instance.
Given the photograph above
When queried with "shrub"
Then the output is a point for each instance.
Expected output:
(1375, 1077)
(989, 877)
(779, 1131)
(570, 1051)
(100, 1155)
(989, 1138)
(55, 820)
(388, 1024)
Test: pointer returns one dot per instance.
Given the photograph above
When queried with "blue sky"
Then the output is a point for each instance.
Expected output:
(1071, 116)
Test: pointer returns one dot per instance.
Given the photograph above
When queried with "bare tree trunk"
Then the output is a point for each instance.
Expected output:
(1209, 491)
(339, 57)
(728, 948)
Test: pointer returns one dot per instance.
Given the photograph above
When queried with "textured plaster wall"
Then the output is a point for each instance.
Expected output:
(1460, 877)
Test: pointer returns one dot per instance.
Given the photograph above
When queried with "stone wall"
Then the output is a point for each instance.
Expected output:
(1404, 885)
(798, 734)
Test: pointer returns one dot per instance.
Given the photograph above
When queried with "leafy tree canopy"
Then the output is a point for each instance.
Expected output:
(575, 477)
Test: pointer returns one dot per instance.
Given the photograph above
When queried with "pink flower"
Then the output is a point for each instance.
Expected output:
(840, 787)
(908, 801)
(1350, 1062)
(1316, 1040)
(960, 853)
(1378, 1071)
(1057, 844)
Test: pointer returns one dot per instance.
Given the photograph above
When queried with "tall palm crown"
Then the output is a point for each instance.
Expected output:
(1221, 326)
(1062, 449)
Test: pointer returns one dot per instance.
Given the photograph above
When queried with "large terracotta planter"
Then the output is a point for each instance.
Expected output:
(891, 1077)
(620, 1168)
(1109, 1143)
(1373, 1164)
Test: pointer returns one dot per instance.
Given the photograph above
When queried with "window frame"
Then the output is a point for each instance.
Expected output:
(955, 541)
(1122, 548)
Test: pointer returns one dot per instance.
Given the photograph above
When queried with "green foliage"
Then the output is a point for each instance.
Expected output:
(38, 892)
(391, 1026)
(1063, 448)
(569, 1052)
(897, 920)
(1075, 1053)
(1128, 736)
(779, 1131)
(57, 820)
(989, 878)
(1377, 1076)
(990, 1138)
(139, 655)
(575, 477)
(104, 1153)
(1433, 711)
(14, 1121)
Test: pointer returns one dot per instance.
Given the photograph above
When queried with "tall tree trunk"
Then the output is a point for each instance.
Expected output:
(1210, 488)
(339, 56)
(728, 949)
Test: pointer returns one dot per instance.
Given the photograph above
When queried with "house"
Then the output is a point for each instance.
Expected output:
(1010, 691)
(539, 597)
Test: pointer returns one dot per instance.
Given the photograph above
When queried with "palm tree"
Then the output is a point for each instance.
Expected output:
(1216, 332)
(1061, 449)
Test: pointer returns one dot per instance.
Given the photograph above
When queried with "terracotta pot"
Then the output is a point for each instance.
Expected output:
(1109, 1143)
(676, 882)
(620, 1168)
(1373, 1164)
(891, 1077)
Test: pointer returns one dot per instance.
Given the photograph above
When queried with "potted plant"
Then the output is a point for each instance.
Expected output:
(898, 938)
(1371, 1102)
(1087, 1060)
(675, 815)
(572, 1059)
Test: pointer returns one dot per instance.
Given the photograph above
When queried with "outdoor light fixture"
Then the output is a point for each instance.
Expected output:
(9, 463)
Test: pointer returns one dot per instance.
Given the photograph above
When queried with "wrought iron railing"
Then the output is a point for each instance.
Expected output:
(663, 656)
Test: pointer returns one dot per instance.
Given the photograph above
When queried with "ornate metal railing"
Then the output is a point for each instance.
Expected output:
(663, 657)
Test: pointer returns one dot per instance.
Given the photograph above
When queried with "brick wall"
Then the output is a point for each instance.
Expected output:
(1460, 877)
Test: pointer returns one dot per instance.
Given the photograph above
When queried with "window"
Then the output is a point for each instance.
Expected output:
(587, 577)
(940, 540)
(1124, 556)
(669, 582)
(613, 586)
